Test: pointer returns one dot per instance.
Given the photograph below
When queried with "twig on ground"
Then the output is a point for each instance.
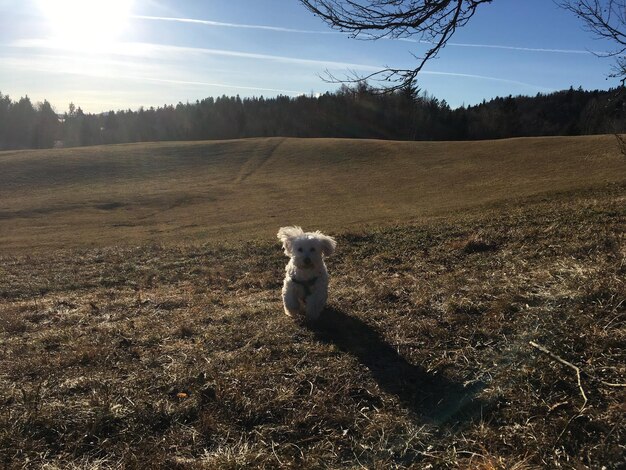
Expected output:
(566, 363)
(579, 372)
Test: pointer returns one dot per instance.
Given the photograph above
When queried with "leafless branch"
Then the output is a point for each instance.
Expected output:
(432, 21)
(605, 19)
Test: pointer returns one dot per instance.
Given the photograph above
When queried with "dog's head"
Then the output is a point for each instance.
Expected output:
(306, 248)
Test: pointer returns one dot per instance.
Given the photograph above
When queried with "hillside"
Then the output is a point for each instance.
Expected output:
(166, 356)
(195, 192)
(141, 323)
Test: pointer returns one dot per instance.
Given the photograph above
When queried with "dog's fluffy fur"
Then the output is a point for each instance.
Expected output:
(305, 289)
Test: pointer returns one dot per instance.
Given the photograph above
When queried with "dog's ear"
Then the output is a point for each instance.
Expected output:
(328, 243)
(286, 235)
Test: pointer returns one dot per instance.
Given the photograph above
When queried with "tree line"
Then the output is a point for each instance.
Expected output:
(350, 112)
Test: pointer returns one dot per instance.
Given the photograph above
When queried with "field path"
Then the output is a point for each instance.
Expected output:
(259, 158)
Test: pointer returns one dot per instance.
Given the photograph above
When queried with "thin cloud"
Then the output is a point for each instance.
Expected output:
(160, 50)
(509, 48)
(485, 77)
(416, 41)
(527, 49)
(151, 50)
(219, 85)
(56, 64)
(253, 55)
(232, 25)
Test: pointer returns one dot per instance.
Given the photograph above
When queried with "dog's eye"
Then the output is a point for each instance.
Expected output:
(312, 250)
(300, 250)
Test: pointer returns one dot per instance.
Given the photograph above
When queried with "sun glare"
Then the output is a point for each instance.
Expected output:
(87, 24)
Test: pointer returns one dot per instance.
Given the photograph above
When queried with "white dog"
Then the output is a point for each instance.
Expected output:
(305, 289)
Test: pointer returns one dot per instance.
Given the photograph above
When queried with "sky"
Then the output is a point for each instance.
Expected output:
(123, 54)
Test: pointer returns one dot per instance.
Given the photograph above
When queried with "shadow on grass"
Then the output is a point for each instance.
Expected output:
(432, 397)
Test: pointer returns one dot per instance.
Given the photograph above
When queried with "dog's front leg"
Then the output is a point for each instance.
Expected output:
(291, 302)
(314, 306)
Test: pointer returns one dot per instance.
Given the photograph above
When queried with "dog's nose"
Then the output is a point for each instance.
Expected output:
(307, 260)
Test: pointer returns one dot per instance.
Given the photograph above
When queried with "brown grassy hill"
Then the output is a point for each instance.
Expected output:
(179, 357)
(199, 191)
(120, 353)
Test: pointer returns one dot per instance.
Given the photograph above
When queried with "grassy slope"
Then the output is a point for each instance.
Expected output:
(178, 356)
(159, 357)
(244, 189)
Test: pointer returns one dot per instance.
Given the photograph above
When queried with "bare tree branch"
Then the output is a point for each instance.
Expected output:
(432, 21)
(605, 19)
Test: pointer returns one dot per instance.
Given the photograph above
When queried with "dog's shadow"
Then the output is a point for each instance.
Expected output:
(433, 397)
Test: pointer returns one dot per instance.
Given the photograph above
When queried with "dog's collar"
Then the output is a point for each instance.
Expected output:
(306, 284)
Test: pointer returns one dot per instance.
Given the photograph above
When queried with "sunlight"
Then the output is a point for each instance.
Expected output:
(87, 24)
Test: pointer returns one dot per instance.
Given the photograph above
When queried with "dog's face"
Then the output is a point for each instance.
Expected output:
(306, 249)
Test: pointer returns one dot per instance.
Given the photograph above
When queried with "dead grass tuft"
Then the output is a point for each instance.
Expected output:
(477, 244)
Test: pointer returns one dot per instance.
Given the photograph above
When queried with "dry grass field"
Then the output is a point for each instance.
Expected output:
(141, 324)
(238, 190)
